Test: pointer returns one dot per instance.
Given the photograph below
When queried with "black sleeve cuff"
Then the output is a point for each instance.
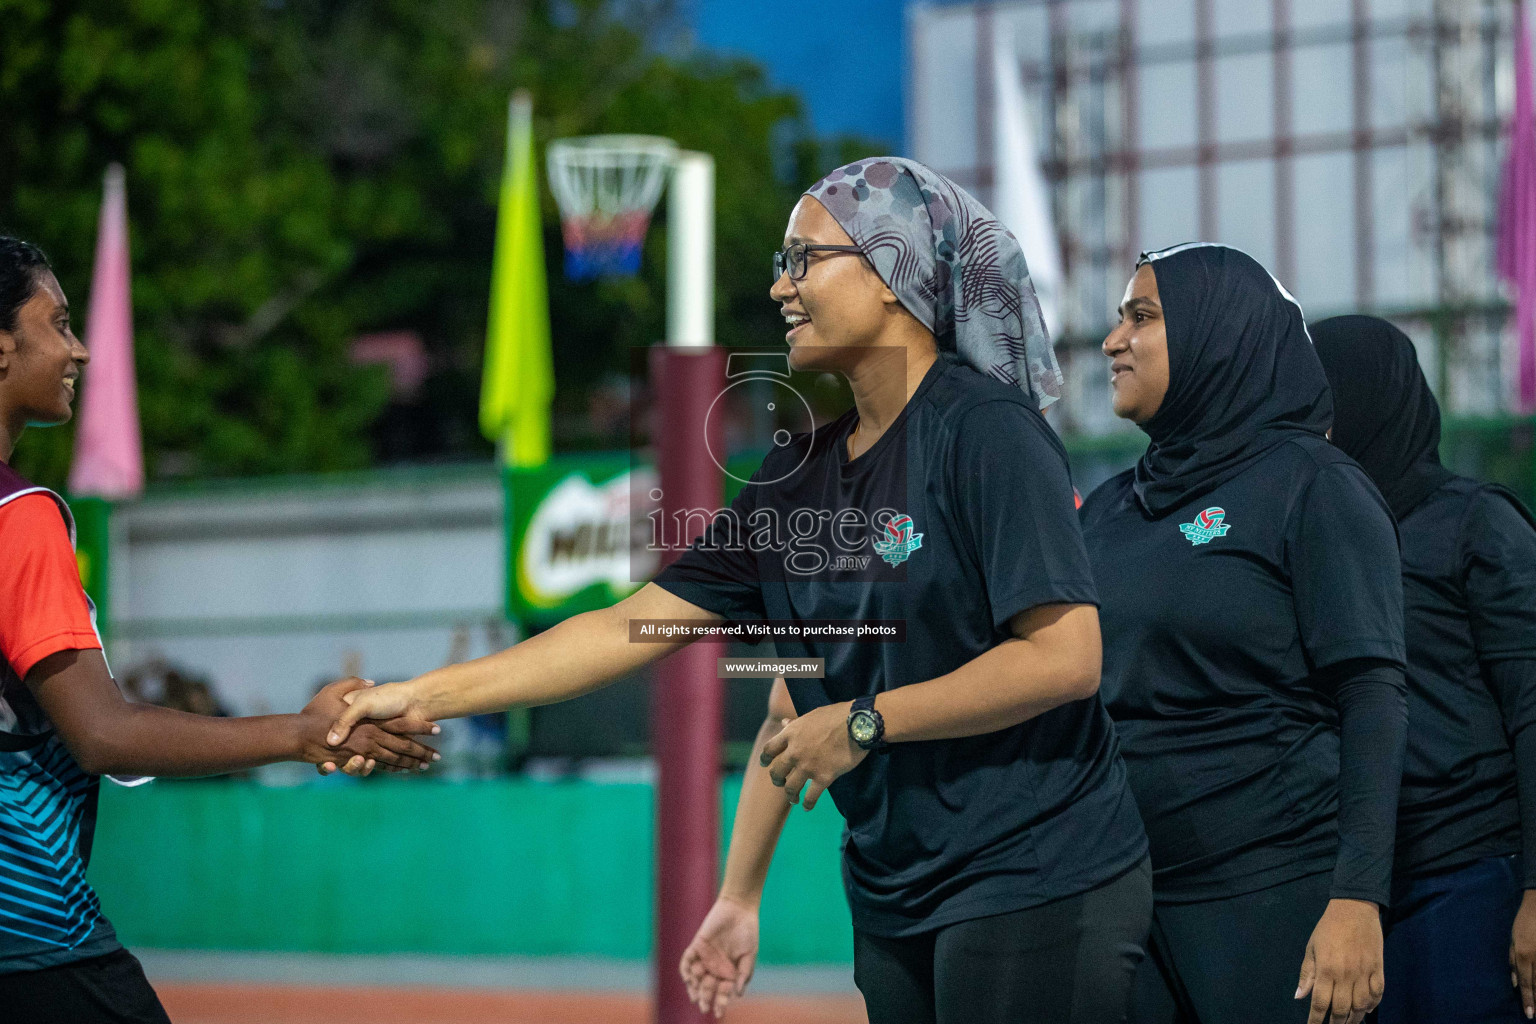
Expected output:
(1373, 727)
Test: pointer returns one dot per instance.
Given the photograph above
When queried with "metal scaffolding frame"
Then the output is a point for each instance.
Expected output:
(1088, 86)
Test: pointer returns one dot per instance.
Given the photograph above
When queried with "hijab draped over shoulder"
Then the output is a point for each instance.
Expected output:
(1242, 374)
(953, 265)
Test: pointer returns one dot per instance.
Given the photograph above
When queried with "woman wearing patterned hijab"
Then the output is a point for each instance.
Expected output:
(1463, 917)
(993, 860)
(1253, 653)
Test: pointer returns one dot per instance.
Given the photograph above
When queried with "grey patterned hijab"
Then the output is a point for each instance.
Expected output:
(951, 263)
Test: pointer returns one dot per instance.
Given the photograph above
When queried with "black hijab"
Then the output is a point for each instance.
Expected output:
(1242, 375)
(1387, 418)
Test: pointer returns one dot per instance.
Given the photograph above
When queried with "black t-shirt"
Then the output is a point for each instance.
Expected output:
(1469, 587)
(1216, 617)
(947, 830)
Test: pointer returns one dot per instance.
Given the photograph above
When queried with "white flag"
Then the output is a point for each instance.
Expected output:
(1022, 199)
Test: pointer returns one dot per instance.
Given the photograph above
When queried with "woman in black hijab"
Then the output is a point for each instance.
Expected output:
(1253, 652)
(1461, 905)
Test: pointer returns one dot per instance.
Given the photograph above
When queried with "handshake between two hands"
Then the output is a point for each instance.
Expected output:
(337, 731)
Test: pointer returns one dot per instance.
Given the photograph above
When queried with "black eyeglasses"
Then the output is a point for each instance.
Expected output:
(795, 259)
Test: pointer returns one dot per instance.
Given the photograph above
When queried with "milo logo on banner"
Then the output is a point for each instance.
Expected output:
(570, 538)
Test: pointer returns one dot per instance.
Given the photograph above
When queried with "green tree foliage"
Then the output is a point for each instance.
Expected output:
(302, 171)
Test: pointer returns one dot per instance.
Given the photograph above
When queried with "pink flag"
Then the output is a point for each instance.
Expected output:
(109, 458)
(1517, 213)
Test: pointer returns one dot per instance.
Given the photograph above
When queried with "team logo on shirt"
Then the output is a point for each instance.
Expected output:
(899, 541)
(1207, 526)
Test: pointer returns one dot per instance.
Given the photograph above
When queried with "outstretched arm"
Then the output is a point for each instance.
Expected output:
(110, 735)
(584, 653)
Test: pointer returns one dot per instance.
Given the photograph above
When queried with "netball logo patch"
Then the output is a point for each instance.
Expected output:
(1207, 526)
(899, 541)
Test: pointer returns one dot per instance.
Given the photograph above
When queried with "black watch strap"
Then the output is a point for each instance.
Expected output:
(866, 704)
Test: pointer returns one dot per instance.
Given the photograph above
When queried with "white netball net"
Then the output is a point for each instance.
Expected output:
(606, 187)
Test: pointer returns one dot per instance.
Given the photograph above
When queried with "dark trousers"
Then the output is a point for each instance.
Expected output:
(1448, 947)
(1066, 962)
(107, 989)
(1231, 961)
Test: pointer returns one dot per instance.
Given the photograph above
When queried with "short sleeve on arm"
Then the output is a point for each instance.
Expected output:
(1499, 568)
(1015, 504)
(1346, 570)
(43, 608)
(719, 572)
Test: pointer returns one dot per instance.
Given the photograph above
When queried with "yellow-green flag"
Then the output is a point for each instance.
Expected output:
(518, 381)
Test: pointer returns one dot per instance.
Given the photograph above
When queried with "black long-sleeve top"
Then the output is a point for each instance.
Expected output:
(1253, 654)
(1469, 583)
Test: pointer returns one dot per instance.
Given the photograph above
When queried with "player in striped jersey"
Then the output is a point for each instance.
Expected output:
(63, 721)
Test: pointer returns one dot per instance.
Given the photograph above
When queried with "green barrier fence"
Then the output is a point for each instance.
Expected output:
(510, 867)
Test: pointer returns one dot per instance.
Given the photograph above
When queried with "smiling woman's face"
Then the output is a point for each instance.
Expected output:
(40, 360)
(840, 304)
(1138, 350)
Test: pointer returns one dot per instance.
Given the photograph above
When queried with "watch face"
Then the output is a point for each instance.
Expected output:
(862, 727)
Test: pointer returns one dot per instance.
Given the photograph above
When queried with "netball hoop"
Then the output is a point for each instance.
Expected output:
(606, 187)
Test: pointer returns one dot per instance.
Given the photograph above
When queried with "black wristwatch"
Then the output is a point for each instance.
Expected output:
(865, 725)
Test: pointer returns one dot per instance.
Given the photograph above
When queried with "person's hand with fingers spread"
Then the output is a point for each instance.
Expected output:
(719, 961)
(384, 742)
(812, 752)
(1344, 967)
(1522, 953)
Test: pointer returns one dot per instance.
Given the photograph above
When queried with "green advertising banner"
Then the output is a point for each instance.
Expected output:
(576, 531)
(569, 529)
